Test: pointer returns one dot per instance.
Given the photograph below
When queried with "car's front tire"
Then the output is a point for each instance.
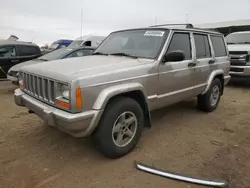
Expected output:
(120, 127)
(210, 100)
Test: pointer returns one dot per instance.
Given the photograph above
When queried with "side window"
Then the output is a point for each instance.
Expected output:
(202, 46)
(87, 43)
(181, 41)
(28, 50)
(8, 51)
(219, 46)
(80, 53)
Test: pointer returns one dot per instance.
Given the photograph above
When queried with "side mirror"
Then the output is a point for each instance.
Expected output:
(174, 56)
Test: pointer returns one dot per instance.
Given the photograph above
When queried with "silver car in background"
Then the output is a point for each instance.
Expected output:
(239, 50)
(62, 53)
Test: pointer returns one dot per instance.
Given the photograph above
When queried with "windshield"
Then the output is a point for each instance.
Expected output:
(238, 38)
(137, 43)
(53, 46)
(57, 54)
(76, 43)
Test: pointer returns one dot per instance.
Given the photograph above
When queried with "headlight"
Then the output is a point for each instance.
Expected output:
(65, 91)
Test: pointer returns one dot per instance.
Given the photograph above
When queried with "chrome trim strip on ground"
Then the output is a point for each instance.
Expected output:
(175, 176)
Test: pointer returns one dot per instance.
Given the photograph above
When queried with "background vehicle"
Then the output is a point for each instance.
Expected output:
(62, 43)
(92, 41)
(239, 50)
(109, 95)
(54, 55)
(14, 52)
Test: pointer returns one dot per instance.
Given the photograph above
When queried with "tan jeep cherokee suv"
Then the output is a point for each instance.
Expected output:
(110, 94)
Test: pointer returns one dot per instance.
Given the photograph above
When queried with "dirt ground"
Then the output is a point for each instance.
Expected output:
(182, 139)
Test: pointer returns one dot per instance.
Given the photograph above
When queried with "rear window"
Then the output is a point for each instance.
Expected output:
(219, 46)
(202, 46)
(28, 50)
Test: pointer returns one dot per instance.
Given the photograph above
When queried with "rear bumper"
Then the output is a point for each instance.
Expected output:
(241, 71)
(77, 125)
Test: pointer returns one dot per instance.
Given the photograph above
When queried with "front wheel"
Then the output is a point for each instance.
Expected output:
(209, 101)
(120, 127)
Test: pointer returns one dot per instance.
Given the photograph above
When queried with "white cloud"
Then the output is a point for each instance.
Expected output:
(46, 21)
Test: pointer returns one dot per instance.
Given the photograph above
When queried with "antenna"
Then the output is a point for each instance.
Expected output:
(81, 24)
(186, 17)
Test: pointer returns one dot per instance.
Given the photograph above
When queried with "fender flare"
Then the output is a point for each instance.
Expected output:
(211, 78)
(106, 94)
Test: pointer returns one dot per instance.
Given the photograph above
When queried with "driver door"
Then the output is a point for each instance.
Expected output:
(175, 78)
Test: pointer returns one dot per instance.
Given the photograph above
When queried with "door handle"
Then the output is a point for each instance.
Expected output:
(192, 64)
(14, 61)
(211, 61)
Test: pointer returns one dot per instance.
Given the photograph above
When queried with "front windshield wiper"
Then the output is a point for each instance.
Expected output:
(124, 54)
(99, 53)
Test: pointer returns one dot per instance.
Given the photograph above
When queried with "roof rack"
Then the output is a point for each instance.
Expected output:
(188, 25)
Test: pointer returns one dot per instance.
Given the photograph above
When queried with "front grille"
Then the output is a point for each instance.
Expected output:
(239, 58)
(39, 87)
(238, 52)
(236, 69)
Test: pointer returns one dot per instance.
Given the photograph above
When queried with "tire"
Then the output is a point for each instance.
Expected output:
(105, 137)
(204, 102)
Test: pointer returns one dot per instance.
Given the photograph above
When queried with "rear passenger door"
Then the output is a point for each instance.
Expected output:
(204, 60)
(175, 78)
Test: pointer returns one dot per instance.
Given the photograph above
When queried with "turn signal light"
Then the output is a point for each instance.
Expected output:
(62, 103)
(78, 98)
(21, 85)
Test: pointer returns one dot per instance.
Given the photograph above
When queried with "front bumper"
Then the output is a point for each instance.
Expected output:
(243, 71)
(78, 125)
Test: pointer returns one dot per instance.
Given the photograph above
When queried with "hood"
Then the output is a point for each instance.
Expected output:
(20, 65)
(83, 66)
(238, 47)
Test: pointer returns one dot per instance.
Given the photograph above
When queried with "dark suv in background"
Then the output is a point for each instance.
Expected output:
(14, 52)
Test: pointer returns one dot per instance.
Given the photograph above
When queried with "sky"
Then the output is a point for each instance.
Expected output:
(44, 21)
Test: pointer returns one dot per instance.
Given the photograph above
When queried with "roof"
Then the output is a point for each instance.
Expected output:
(176, 27)
(241, 32)
(10, 42)
(64, 40)
(224, 24)
(180, 27)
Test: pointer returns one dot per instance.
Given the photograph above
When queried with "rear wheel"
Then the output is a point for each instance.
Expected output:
(209, 101)
(120, 127)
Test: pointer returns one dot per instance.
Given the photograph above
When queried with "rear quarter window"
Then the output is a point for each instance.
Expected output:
(219, 46)
(28, 50)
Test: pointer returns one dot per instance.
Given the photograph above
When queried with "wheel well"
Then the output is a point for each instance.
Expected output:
(140, 98)
(221, 78)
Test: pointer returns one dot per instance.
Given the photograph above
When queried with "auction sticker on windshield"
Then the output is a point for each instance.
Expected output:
(154, 33)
